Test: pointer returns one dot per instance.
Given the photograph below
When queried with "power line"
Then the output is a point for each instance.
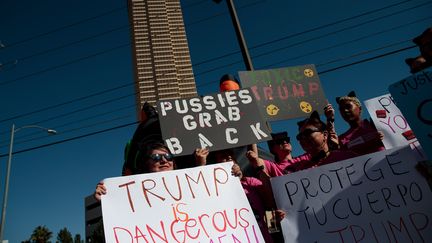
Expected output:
(311, 39)
(58, 127)
(126, 85)
(66, 45)
(64, 27)
(305, 31)
(341, 30)
(109, 12)
(122, 86)
(368, 59)
(256, 56)
(225, 12)
(82, 109)
(71, 139)
(363, 53)
(67, 102)
(128, 124)
(21, 141)
(318, 65)
(15, 61)
(65, 64)
(361, 61)
(346, 42)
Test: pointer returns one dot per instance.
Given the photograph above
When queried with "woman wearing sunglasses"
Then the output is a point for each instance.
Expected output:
(280, 147)
(313, 137)
(151, 157)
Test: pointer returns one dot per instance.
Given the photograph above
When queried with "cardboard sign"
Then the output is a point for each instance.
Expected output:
(378, 197)
(224, 120)
(285, 93)
(389, 119)
(413, 96)
(201, 204)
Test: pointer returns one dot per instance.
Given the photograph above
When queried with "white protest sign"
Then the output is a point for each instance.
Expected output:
(378, 197)
(389, 119)
(201, 204)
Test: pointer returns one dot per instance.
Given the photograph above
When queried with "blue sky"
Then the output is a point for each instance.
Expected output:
(73, 49)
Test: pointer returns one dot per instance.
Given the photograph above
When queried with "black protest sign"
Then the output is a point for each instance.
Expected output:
(286, 93)
(219, 121)
(413, 96)
(378, 197)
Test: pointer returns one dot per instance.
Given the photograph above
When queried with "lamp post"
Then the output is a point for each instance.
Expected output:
(5, 196)
(242, 42)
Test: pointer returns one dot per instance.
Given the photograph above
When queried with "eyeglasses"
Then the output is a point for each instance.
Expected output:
(158, 157)
(280, 141)
(306, 133)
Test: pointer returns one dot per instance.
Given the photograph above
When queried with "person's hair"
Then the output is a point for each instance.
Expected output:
(313, 120)
(227, 77)
(144, 152)
(425, 36)
(224, 152)
(350, 97)
(272, 142)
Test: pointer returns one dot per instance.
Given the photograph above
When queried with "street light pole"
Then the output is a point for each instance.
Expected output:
(242, 42)
(8, 169)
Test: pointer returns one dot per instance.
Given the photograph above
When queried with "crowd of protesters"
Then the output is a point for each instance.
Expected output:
(146, 153)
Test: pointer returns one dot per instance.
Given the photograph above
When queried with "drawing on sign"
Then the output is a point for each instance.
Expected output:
(285, 93)
(389, 119)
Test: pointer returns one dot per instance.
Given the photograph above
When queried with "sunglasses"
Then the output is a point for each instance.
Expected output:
(306, 133)
(158, 157)
(282, 140)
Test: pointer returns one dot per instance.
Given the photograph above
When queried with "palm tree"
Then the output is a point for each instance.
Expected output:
(41, 234)
(64, 236)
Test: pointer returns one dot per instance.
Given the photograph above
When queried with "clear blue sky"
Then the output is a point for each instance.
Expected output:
(48, 185)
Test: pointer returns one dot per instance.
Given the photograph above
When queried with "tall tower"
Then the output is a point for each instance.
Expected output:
(163, 69)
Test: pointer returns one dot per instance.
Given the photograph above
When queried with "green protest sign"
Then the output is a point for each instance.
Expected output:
(285, 93)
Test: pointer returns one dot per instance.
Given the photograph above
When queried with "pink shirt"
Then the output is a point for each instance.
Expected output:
(285, 166)
(253, 189)
(361, 139)
(334, 156)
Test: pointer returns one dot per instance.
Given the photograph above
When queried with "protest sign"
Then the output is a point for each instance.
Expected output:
(201, 204)
(378, 197)
(286, 93)
(389, 120)
(224, 120)
(413, 96)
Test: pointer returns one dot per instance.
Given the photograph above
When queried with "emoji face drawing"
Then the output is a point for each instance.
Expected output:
(305, 107)
(308, 72)
(272, 110)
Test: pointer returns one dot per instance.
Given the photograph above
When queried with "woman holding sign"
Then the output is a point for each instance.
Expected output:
(313, 137)
(362, 136)
(258, 194)
(152, 157)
